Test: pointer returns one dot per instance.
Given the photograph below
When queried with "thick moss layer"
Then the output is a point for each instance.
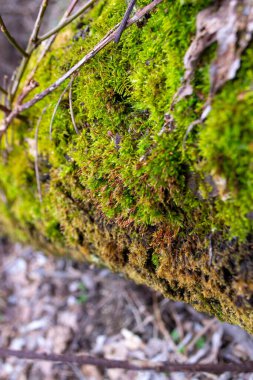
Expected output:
(125, 192)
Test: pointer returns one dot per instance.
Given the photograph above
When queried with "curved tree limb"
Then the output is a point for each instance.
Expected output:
(10, 38)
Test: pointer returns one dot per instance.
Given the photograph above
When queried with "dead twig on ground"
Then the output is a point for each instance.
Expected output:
(217, 368)
(199, 334)
(162, 328)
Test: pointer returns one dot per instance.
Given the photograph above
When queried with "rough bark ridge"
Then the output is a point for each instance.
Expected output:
(130, 191)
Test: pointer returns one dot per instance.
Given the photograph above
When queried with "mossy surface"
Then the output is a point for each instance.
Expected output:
(125, 191)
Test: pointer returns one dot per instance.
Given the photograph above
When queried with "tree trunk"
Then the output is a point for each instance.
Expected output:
(148, 168)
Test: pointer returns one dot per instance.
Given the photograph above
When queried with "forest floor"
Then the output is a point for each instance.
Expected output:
(57, 305)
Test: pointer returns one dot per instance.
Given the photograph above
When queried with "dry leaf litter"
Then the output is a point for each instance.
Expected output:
(57, 305)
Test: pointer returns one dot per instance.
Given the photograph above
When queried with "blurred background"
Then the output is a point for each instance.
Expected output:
(19, 16)
(61, 306)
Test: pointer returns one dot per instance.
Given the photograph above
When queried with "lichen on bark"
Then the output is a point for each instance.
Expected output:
(126, 192)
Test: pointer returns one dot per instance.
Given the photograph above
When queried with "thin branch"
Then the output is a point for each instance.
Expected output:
(50, 41)
(3, 90)
(102, 44)
(31, 85)
(6, 86)
(30, 47)
(199, 334)
(5, 109)
(214, 368)
(37, 25)
(36, 161)
(66, 22)
(10, 38)
(124, 20)
(69, 10)
(55, 110)
(10, 86)
(18, 76)
(71, 106)
(162, 327)
(76, 371)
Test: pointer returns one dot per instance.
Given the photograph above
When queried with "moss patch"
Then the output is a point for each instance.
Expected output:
(125, 192)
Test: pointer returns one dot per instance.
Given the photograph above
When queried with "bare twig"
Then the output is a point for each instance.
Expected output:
(9, 89)
(77, 371)
(104, 42)
(71, 106)
(10, 38)
(124, 20)
(217, 368)
(31, 85)
(199, 334)
(55, 110)
(18, 76)
(188, 131)
(4, 95)
(37, 25)
(30, 47)
(36, 161)
(3, 90)
(66, 22)
(6, 86)
(5, 109)
(162, 327)
(50, 41)
(69, 10)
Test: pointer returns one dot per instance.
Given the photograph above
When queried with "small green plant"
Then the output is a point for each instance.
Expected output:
(200, 343)
(155, 260)
(82, 294)
(175, 335)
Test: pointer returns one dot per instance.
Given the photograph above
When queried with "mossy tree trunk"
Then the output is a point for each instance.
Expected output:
(129, 191)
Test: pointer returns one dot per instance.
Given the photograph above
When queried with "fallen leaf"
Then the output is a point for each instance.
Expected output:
(229, 23)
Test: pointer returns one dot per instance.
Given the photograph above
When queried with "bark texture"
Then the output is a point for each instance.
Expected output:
(158, 183)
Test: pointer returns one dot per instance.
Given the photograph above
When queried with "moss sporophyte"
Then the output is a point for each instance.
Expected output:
(125, 191)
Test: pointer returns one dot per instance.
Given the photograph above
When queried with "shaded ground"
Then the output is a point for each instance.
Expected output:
(56, 305)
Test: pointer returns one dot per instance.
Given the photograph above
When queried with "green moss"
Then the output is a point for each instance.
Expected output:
(230, 126)
(155, 260)
(125, 192)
